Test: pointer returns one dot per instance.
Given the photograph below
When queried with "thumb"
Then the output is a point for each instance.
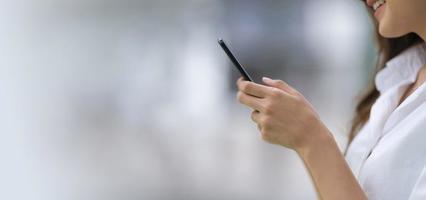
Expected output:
(279, 84)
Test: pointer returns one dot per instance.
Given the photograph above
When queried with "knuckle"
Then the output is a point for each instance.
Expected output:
(275, 93)
(264, 132)
(268, 108)
(310, 118)
(239, 81)
(281, 82)
(299, 100)
(239, 85)
(297, 94)
(265, 121)
(262, 122)
(253, 116)
(245, 87)
(265, 135)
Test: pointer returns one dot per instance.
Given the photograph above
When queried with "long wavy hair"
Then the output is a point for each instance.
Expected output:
(387, 49)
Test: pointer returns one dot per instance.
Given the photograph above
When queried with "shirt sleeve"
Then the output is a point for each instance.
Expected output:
(419, 191)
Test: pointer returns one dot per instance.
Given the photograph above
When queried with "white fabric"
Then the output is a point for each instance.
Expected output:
(388, 156)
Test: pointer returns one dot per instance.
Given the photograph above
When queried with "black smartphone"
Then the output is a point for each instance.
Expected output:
(234, 60)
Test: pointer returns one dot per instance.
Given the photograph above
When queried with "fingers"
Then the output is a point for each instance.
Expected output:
(253, 89)
(255, 115)
(250, 101)
(279, 84)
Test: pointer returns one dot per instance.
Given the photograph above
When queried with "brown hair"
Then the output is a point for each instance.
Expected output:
(387, 49)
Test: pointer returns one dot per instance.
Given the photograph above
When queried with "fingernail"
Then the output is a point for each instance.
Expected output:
(266, 79)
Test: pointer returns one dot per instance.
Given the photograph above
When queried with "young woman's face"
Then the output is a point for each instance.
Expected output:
(399, 17)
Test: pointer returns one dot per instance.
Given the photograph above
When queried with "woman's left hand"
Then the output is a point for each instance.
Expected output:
(283, 115)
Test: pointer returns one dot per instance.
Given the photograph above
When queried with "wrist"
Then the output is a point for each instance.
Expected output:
(321, 141)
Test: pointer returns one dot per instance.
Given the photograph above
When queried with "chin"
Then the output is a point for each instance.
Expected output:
(391, 27)
(386, 31)
(386, 34)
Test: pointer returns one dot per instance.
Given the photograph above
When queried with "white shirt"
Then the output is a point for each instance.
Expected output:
(388, 156)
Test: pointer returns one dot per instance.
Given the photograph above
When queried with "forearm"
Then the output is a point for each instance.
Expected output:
(329, 171)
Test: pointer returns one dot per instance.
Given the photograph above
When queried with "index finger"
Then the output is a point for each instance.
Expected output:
(253, 89)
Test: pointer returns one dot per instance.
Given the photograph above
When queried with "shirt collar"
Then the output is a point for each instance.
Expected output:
(403, 67)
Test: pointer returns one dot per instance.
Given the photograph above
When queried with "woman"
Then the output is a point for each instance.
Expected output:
(386, 157)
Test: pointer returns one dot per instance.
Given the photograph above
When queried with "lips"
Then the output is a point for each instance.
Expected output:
(379, 12)
(377, 6)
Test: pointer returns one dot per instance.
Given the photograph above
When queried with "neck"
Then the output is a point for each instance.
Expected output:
(422, 75)
(422, 33)
(420, 28)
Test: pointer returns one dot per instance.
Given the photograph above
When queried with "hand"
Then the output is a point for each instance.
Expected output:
(283, 115)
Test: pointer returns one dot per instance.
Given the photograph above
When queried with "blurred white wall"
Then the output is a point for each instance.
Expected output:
(108, 99)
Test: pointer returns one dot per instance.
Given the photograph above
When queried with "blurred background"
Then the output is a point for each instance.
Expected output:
(134, 99)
